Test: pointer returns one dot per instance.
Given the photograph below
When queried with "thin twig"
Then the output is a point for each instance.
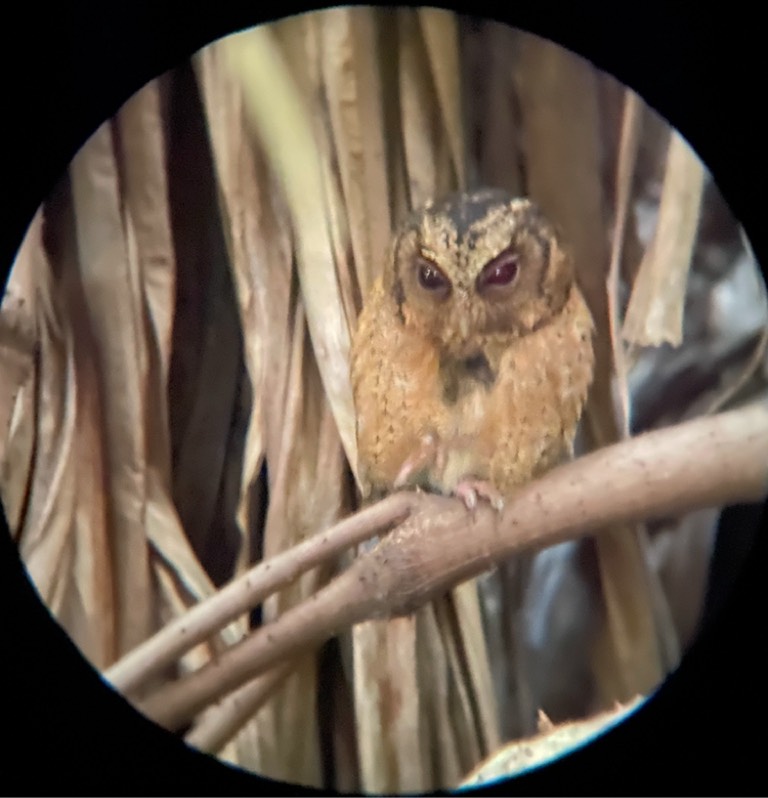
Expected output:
(752, 365)
(702, 463)
(249, 590)
(221, 723)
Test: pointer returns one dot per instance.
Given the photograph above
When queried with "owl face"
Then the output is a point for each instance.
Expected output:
(476, 267)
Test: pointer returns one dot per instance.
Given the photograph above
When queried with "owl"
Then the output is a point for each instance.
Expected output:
(472, 357)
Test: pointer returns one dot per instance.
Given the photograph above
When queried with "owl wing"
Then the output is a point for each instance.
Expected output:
(397, 392)
(542, 388)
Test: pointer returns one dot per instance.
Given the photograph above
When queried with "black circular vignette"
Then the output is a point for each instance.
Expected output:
(73, 66)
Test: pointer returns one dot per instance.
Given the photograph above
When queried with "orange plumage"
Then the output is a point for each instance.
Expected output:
(472, 358)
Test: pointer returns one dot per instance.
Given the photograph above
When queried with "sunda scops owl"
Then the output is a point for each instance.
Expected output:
(473, 356)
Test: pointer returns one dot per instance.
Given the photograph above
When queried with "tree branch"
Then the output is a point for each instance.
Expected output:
(702, 463)
(220, 724)
(240, 596)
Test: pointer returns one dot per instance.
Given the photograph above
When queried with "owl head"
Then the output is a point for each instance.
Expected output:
(478, 266)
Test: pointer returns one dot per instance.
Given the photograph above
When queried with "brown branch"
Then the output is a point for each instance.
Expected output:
(702, 463)
(221, 723)
(752, 365)
(249, 590)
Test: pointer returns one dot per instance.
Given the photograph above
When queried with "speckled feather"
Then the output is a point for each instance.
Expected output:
(499, 379)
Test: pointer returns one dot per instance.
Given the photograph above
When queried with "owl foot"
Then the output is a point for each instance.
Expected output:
(426, 455)
(469, 489)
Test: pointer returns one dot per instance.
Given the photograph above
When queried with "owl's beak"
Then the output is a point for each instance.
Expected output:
(464, 326)
(463, 320)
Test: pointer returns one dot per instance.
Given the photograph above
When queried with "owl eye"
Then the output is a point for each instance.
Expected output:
(501, 271)
(431, 277)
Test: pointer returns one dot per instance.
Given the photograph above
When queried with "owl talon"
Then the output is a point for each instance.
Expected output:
(423, 457)
(466, 492)
(403, 475)
(469, 489)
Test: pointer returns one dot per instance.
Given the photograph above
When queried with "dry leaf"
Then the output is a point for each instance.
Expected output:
(281, 118)
(631, 126)
(259, 246)
(441, 37)
(353, 89)
(655, 311)
(62, 533)
(388, 707)
(427, 155)
(488, 51)
(558, 100)
(434, 672)
(109, 278)
(18, 342)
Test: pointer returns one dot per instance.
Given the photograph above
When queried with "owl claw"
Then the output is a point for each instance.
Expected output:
(467, 494)
(469, 489)
(423, 457)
